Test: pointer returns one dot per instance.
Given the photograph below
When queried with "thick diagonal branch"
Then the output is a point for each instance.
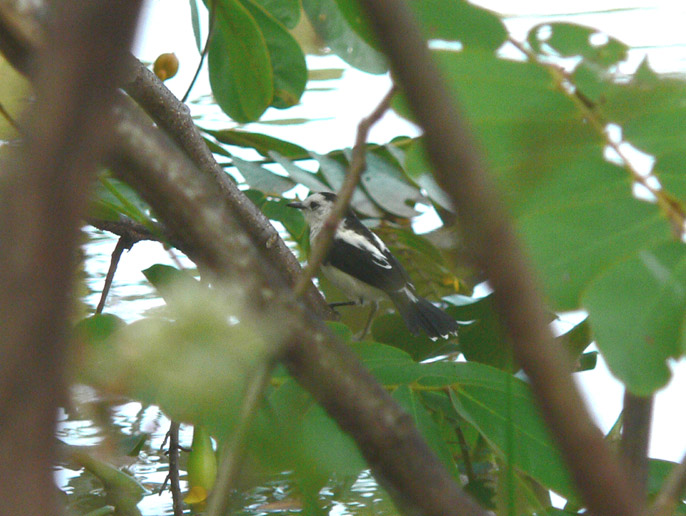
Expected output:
(602, 483)
(192, 209)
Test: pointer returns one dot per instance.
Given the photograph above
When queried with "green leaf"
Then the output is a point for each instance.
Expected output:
(480, 396)
(286, 57)
(286, 11)
(411, 402)
(260, 178)
(239, 64)
(458, 20)
(96, 329)
(262, 143)
(334, 172)
(195, 22)
(568, 40)
(387, 186)
(293, 221)
(418, 169)
(637, 310)
(330, 24)
(299, 175)
(483, 339)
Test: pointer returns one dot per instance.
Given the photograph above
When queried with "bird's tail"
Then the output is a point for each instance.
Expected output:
(420, 315)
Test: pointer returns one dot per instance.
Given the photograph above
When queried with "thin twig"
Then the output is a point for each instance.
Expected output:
(358, 163)
(210, 29)
(234, 449)
(122, 244)
(174, 486)
(671, 492)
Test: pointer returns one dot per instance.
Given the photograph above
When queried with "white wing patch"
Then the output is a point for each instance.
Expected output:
(353, 238)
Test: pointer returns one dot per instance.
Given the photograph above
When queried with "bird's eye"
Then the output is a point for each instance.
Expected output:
(314, 205)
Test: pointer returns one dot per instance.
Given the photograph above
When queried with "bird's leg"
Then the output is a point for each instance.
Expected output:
(375, 307)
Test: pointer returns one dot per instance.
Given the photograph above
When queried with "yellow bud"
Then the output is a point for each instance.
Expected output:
(166, 66)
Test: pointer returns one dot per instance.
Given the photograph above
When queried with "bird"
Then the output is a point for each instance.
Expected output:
(362, 266)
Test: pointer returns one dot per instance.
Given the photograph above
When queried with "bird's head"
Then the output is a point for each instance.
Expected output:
(316, 207)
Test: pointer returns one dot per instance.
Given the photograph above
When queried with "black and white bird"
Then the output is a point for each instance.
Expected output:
(360, 264)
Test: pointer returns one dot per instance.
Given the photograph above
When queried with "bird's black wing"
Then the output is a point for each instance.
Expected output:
(379, 269)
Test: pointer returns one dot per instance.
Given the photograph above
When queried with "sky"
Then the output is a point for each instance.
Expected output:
(653, 28)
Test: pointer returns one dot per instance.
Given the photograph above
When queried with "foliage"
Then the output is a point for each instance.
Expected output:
(603, 236)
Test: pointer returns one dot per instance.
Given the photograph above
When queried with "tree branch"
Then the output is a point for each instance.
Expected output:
(636, 418)
(174, 117)
(193, 210)
(43, 194)
(601, 481)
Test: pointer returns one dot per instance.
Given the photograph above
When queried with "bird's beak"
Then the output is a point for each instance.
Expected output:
(296, 205)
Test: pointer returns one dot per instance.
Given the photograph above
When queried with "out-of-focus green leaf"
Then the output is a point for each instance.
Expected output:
(195, 23)
(113, 199)
(458, 20)
(334, 172)
(482, 338)
(480, 396)
(418, 169)
(411, 402)
(201, 466)
(388, 187)
(122, 490)
(331, 25)
(578, 338)
(286, 11)
(261, 178)
(240, 68)
(293, 221)
(97, 328)
(300, 175)
(569, 39)
(287, 59)
(338, 452)
(262, 143)
(637, 309)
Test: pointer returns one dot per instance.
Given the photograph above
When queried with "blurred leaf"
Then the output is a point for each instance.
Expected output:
(338, 452)
(96, 329)
(411, 402)
(577, 339)
(262, 143)
(387, 186)
(299, 175)
(458, 20)
(637, 308)
(334, 172)
(293, 221)
(114, 198)
(195, 23)
(286, 11)
(286, 58)
(481, 398)
(201, 465)
(260, 178)
(239, 64)
(483, 338)
(122, 490)
(569, 39)
(331, 25)
(418, 169)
